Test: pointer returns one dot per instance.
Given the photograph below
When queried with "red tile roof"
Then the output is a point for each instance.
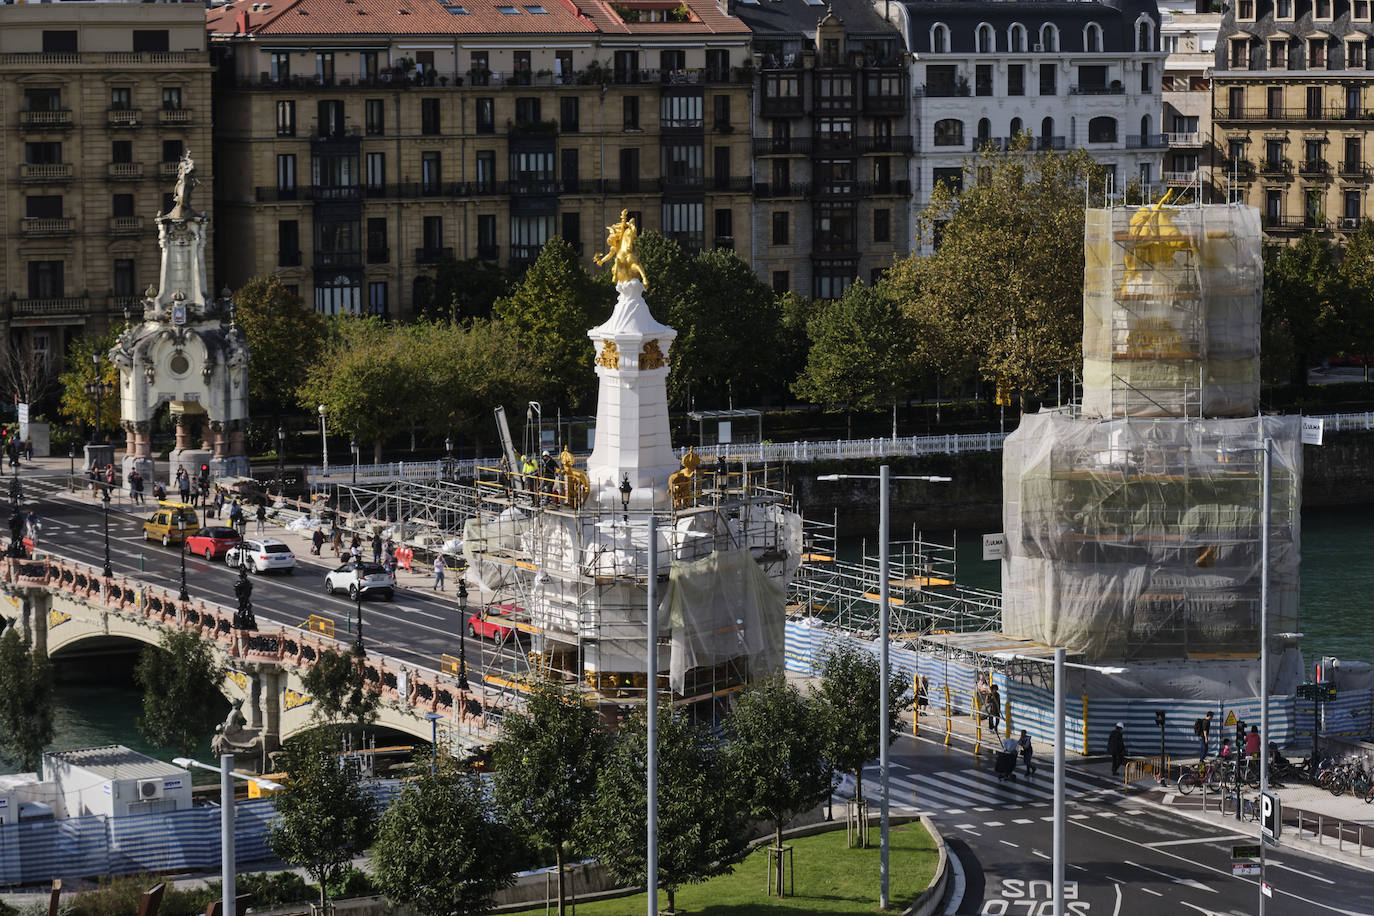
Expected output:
(708, 18)
(393, 17)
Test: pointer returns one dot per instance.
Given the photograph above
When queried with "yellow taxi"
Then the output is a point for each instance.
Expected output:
(171, 522)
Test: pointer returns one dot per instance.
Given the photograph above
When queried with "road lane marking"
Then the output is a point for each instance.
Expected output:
(1299, 871)
(1009, 843)
(1201, 839)
(1078, 867)
(1116, 910)
(1148, 891)
(1187, 882)
(1194, 906)
(1036, 852)
(1024, 820)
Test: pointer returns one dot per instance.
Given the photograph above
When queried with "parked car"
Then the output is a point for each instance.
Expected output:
(493, 622)
(170, 522)
(371, 580)
(261, 554)
(212, 543)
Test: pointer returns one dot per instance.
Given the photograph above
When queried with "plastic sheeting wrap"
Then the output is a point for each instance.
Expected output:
(1171, 304)
(498, 536)
(721, 607)
(1132, 539)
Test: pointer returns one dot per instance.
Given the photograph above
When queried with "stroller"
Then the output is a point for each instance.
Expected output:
(1006, 766)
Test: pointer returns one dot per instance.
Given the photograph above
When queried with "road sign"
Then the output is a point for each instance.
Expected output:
(1312, 429)
(1251, 851)
(1271, 815)
(23, 413)
(1240, 869)
(994, 546)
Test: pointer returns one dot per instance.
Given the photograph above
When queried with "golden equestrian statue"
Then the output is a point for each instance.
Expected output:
(576, 485)
(680, 482)
(622, 245)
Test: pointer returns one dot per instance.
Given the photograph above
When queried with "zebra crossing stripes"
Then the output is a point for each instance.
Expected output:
(957, 791)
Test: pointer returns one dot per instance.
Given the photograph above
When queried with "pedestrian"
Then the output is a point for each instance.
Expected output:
(1225, 752)
(355, 553)
(261, 516)
(1027, 752)
(236, 518)
(31, 526)
(110, 474)
(159, 491)
(336, 543)
(1252, 742)
(1202, 728)
(184, 484)
(922, 695)
(721, 472)
(439, 573)
(219, 501)
(548, 470)
(135, 486)
(994, 708)
(316, 542)
(28, 448)
(528, 468)
(376, 548)
(1116, 746)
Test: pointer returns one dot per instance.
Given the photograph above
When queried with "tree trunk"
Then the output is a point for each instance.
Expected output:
(858, 785)
(777, 843)
(377, 451)
(672, 901)
(558, 859)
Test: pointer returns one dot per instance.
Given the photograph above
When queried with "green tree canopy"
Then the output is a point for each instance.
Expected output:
(1357, 284)
(464, 290)
(546, 764)
(26, 700)
(88, 360)
(324, 820)
(1304, 293)
(441, 850)
(849, 693)
(284, 338)
(182, 702)
(338, 691)
(692, 779)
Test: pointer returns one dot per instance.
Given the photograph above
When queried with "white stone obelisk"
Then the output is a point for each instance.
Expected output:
(632, 437)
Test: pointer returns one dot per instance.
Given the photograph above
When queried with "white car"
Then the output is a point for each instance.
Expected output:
(373, 579)
(261, 554)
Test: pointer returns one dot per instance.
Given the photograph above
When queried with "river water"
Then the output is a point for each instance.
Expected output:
(1336, 618)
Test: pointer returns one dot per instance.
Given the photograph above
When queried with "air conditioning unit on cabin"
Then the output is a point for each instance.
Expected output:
(149, 789)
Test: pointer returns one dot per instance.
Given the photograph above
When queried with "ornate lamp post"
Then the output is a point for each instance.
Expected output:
(105, 498)
(353, 444)
(324, 440)
(625, 491)
(358, 600)
(71, 464)
(182, 595)
(462, 634)
(448, 458)
(243, 590)
(98, 390)
(281, 455)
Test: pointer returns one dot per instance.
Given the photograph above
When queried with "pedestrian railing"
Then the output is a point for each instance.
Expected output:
(1139, 768)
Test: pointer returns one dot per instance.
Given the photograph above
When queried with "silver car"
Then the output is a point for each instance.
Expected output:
(372, 579)
(261, 554)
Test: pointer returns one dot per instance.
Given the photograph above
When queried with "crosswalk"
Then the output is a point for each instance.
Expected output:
(977, 788)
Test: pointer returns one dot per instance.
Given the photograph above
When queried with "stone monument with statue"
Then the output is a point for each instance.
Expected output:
(187, 352)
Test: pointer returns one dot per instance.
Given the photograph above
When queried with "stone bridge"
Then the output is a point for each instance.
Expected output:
(62, 603)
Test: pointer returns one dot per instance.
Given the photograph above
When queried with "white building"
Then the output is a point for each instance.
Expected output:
(115, 781)
(1071, 74)
(1189, 38)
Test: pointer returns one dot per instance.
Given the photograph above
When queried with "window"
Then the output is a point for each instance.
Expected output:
(1016, 38)
(1278, 54)
(1360, 10)
(1245, 9)
(720, 167)
(782, 176)
(480, 72)
(523, 71)
(369, 67)
(1092, 38)
(42, 100)
(280, 62)
(832, 279)
(1352, 101)
(337, 294)
(1235, 101)
(124, 277)
(1273, 155)
(171, 97)
(1092, 77)
(1314, 100)
(720, 111)
(684, 223)
(1048, 76)
(782, 282)
(45, 280)
(122, 205)
(1235, 151)
(1146, 79)
(683, 161)
(121, 151)
(1015, 128)
(433, 233)
(486, 171)
(1354, 55)
(288, 243)
(1316, 53)
(567, 114)
(630, 106)
(151, 40)
(61, 41)
(336, 174)
(1314, 214)
(725, 228)
(1273, 207)
(949, 132)
(781, 227)
(375, 114)
(1047, 133)
(1102, 130)
(324, 67)
(986, 38)
(982, 80)
(1350, 210)
(528, 235)
(531, 166)
(984, 132)
(717, 64)
(527, 110)
(1240, 53)
(672, 60)
(486, 236)
(48, 153)
(171, 150)
(429, 116)
(1169, 44)
(47, 206)
(121, 98)
(286, 118)
(376, 171)
(629, 170)
(680, 111)
(486, 116)
(1321, 9)
(1016, 79)
(1283, 9)
(1049, 37)
(569, 169)
(563, 67)
(330, 118)
(286, 172)
(882, 225)
(952, 178)
(939, 38)
(431, 174)
(376, 297)
(377, 252)
(572, 228)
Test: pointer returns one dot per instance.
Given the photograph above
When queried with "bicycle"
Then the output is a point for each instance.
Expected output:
(1205, 776)
(1249, 805)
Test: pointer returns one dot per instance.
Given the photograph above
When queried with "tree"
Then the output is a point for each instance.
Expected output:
(546, 764)
(26, 700)
(775, 738)
(1303, 295)
(338, 690)
(860, 352)
(26, 373)
(440, 848)
(1005, 283)
(284, 337)
(324, 820)
(692, 779)
(464, 290)
(849, 694)
(181, 696)
(1357, 282)
(88, 360)
(549, 312)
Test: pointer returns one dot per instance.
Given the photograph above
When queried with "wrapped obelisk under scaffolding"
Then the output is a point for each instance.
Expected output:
(565, 557)
(1133, 523)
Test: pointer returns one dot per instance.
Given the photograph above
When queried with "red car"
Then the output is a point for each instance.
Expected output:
(211, 543)
(487, 623)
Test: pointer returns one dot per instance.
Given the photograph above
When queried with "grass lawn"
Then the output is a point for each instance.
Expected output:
(829, 878)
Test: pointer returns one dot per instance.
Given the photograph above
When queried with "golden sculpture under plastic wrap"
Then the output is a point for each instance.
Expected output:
(576, 484)
(622, 244)
(680, 482)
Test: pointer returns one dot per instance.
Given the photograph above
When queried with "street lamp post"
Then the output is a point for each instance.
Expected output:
(462, 634)
(433, 718)
(651, 716)
(884, 658)
(448, 458)
(182, 595)
(324, 440)
(1266, 497)
(353, 444)
(71, 464)
(281, 456)
(358, 600)
(97, 389)
(105, 498)
(227, 775)
(625, 491)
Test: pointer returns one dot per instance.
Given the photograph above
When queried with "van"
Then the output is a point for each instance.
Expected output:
(171, 523)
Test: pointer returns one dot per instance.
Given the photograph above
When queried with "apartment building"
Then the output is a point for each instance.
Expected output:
(364, 141)
(97, 103)
(1293, 107)
(1071, 74)
(1189, 37)
(832, 144)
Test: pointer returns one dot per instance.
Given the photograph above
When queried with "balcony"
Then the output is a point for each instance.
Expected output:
(1313, 168)
(1275, 168)
(782, 146)
(1055, 143)
(46, 171)
(836, 145)
(432, 255)
(793, 189)
(1236, 169)
(175, 115)
(125, 171)
(1146, 141)
(1297, 113)
(533, 187)
(270, 195)
(68, 305)
(47, 119)
(884, 104)
(900, 143)
(724, 241)
(836, 103)
(380, 255)
(1188, 176)
(524, 254)
(124, 117)
(1348, 223)
(126, 225)
(288, 258)
(1184, 140)
(117, 304)
(836, 187)
(488, 252)
(942, 90)
(1284, 223)
(737, 184)
(47, 226)
(325, 260)
(1354, 170)
(168, 169)
(1114, 89)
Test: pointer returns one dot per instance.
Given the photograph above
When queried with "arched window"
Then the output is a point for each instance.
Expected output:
(1016, 38)
(984, 131)
(1092, 38)
(1049, 37)
(949, 132)
(1015, 128)
(939, 38)
(1145, 125)
(987, 39)
(1047, 133)
(1144, 34)
(1102, 130)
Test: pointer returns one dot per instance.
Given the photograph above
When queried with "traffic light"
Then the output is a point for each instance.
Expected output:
(205, 473)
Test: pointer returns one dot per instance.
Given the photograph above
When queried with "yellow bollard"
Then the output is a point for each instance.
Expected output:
(916, 711)
(977, 725)
(949, 721)
(1085, 725)
(1007, 718)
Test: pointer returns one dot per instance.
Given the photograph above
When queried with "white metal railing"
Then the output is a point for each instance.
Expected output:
(1184, 138)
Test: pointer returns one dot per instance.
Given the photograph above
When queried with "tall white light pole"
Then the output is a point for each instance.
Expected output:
(1266, 497)
(227, 775)
(324, 442)
(884, 659)
(651, 710)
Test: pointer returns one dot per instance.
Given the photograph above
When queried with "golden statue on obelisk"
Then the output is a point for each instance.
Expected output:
(622, 245)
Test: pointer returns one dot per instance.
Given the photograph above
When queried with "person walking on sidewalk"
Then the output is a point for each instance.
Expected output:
(1027, 752)
(994, 702)
(1116, 746)
(439, 573)
(261, 516)
(316, 542)
(376, 548)
(1202, 728)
